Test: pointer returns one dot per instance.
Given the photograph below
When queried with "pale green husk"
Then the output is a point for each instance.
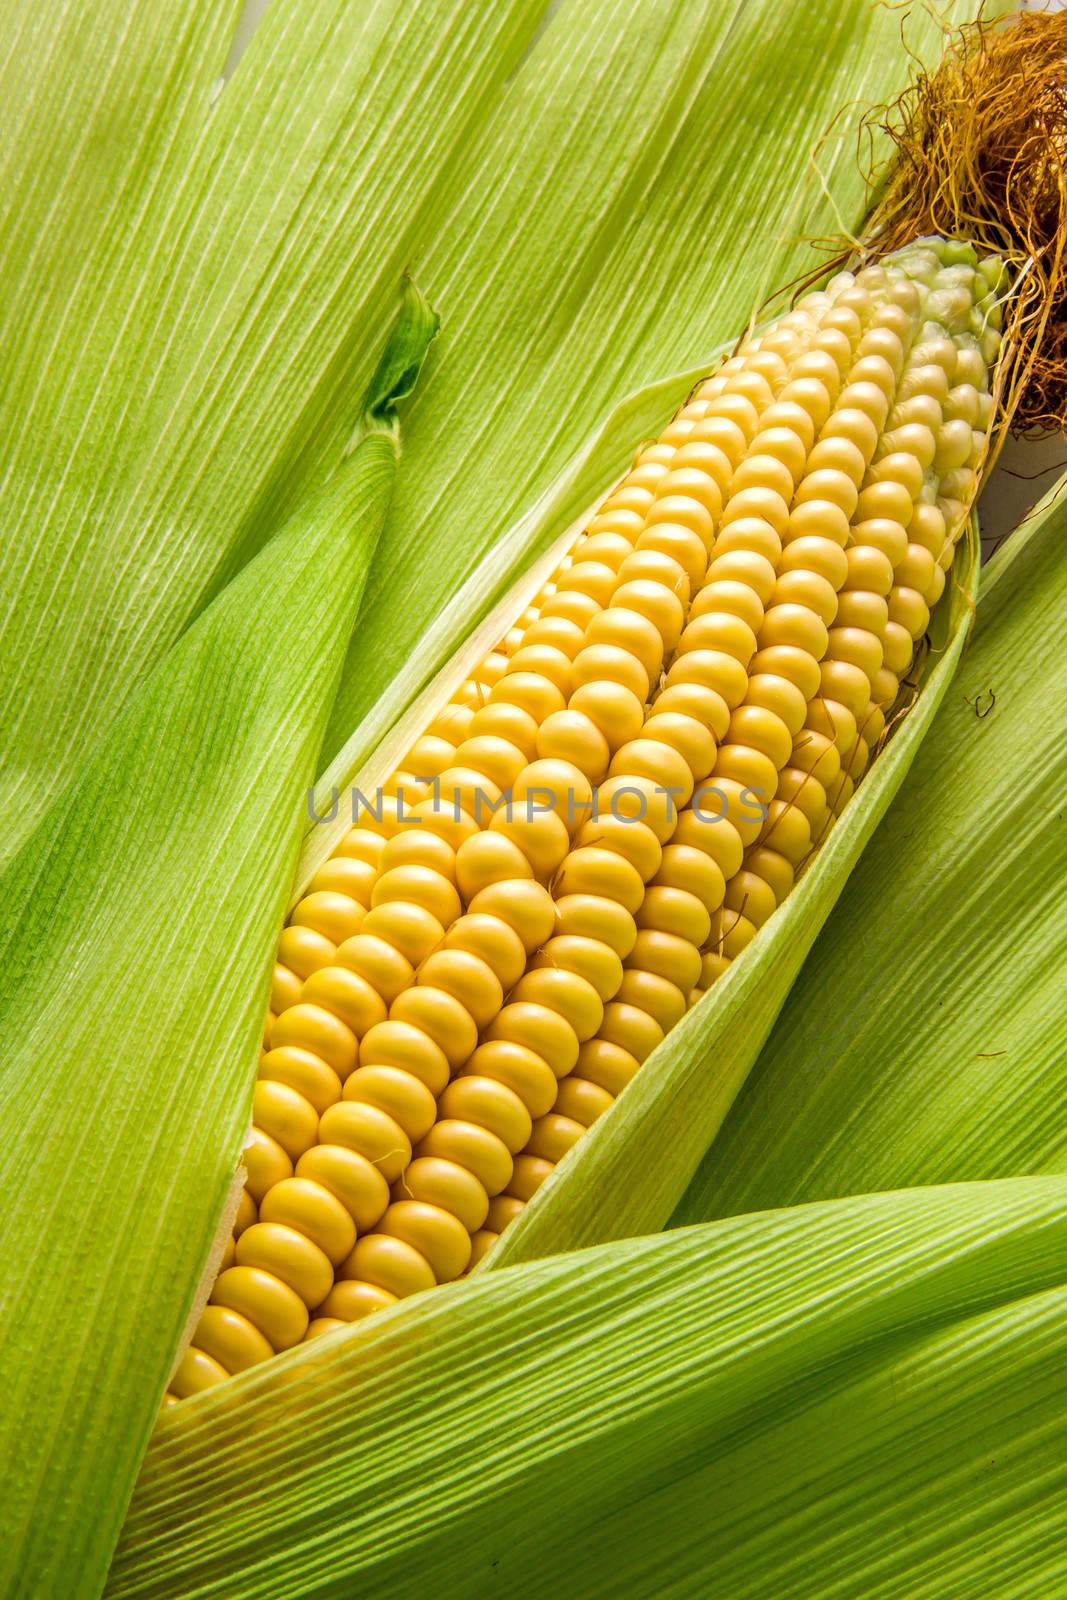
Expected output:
(855, 1399)
(139, 923)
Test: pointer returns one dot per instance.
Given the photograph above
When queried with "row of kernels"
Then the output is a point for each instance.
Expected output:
(790, 608)
(817, 572)
(874, 598)
(694, 710)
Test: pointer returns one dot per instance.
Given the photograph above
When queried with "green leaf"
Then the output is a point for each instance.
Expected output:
(863, 1398)
(926, 1040)
(652, 173)
(140, 920)
(671, 1112)
(191, 290)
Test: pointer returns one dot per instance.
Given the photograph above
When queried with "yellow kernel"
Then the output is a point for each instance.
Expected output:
(817, 519)
(798, 788)
(540, 834)
(693, 700)
(269, 1304)
(420, 886)
(817, 754)
(378, 963)
(349, 998)
(350, 1177)
(265, 1163)
(334, 916)
(553, 1136)
(779, 696)
(712, 669)
(350, 1302)
(409, 928)
(436, 1234)
(231, 1339)
(907, 607)
(289, 1256)
(347, 876)
(593, 871)
(898, 648)
(846, 683)
(289, 1119)
(631, 1028)
(313, 1027)
(606, 1065)
(591, 916)
(668, 957)
(530, 1173)
(313, 1211)
(831, 485)
(503, 1211)
(750, 768)
(390, 1264)
(733, 932)
(489, 1104)
(762, 730)
(859, 608)
(467, 978)
(303, 950)
(526, 908)
(195, 1372)
(572, 737)
(888, 501)
(704, 830)
(658, 997)
(305, 1072)
(541, 1030)
(445, 1185)
(798, 666)
(720, 632)
(676, 542)
(510, 723)
(571, 604)
(590, 959)
(671, 910)
(564, 992)
(774, 868)
(788, 832)
(476, 1149)
(370, 1132)
(489, 857)
(519, 1069)
(854, 425)
(530, 692)
(697, 871)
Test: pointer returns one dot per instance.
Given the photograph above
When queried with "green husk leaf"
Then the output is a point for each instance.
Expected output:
(192, 288)
(139, 922)
(853, 1399)
(926, 1040)
(671, 1112)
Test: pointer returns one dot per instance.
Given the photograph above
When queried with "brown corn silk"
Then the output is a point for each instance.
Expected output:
(979, 152)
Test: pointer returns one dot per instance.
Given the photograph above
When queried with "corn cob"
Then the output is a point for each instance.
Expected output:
(484, 963)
